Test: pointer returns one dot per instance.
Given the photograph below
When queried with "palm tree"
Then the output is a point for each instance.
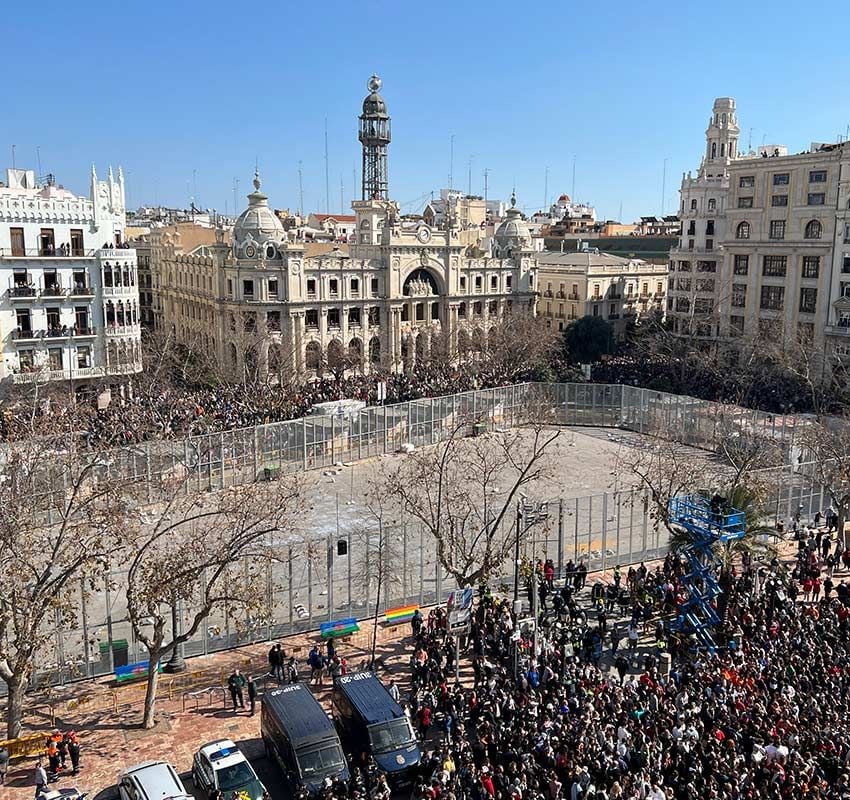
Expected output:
(758, 541)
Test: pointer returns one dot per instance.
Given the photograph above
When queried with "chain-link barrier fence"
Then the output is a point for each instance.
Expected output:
(312, 583)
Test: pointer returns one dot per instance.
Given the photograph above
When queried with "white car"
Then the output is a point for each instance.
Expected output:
(222, 766)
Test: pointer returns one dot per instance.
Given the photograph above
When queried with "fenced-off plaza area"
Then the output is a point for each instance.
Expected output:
(586, 509)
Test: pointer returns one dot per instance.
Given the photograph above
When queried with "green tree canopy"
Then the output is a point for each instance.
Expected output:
(587, 339)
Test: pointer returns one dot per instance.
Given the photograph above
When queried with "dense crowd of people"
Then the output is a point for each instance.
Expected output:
(754, 386)
(764, 715)
(176, 412)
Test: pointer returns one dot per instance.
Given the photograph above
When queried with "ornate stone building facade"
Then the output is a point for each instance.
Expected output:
(403, 288)
(69, 305)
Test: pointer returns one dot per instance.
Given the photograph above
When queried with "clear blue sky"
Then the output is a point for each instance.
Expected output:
(168, 88)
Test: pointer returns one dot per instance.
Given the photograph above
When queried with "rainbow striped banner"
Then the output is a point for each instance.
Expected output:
(343, 627)
(393, 616)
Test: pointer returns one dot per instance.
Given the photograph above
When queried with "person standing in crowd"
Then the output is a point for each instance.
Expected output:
(416, 623)
(314, 659)
(74, 751)
(252, 694)
(235, 683)
(40, 778)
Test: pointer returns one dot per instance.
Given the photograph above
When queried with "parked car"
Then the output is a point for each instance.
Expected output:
(222, 766)
(151, 780)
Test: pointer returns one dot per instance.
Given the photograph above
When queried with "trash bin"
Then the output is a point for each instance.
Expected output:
(120, 653)
(478, 428)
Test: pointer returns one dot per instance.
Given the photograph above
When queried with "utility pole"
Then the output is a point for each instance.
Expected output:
(300, 190)
(327, 179)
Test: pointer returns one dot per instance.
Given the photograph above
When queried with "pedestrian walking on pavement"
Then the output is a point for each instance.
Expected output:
(252, 694)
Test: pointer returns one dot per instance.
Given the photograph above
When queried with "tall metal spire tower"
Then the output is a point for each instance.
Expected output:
(375, 136)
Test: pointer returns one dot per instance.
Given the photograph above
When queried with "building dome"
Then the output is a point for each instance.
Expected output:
(374, 105)
(513, 233)
(257, 227)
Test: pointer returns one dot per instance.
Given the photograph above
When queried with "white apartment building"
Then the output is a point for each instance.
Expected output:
(69, 299)
(764, 252)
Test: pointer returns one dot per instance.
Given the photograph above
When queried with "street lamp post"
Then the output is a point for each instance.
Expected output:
(176, 663)
(516, 552)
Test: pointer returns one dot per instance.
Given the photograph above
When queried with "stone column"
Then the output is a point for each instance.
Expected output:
(451, 329)
(296, 325)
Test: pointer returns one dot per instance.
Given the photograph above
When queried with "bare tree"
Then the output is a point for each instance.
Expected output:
(463, 490)
(738, 465)
(206, 552)
(520, 343)
(374, 541)
(61, 519)
(828, 441)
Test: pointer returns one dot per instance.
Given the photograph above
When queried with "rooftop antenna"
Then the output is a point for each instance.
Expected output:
(546, 189)
(38, 159)
(13, 156)
(451, 160)
(235, 195)
(300, 189)
(195, 184)
(327, 175)
(750, 141)
(486, 174)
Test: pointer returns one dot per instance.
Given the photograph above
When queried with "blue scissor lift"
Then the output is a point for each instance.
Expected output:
(707, 523)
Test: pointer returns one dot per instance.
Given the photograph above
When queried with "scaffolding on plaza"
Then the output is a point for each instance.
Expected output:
(707, 522)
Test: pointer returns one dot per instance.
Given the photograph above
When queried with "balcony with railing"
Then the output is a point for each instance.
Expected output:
(21, 293)
(105, 253)
(82, 331)
(27, 335)
(113, 329)
(54, 291)
(63, 251)
(573, 296)
(81, 290)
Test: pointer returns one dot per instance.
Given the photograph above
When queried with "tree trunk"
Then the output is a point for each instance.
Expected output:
(15, 706)
(148, 719)
(375, 623)
(841, 536)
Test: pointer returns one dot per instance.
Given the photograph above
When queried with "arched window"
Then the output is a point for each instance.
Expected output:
(813, 230)
(714, 149)
(313, 355)
(712, 204)
(335, 360)
(375, 350)
(743, 230)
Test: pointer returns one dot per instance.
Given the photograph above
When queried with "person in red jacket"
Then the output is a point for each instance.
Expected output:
(487, 782)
